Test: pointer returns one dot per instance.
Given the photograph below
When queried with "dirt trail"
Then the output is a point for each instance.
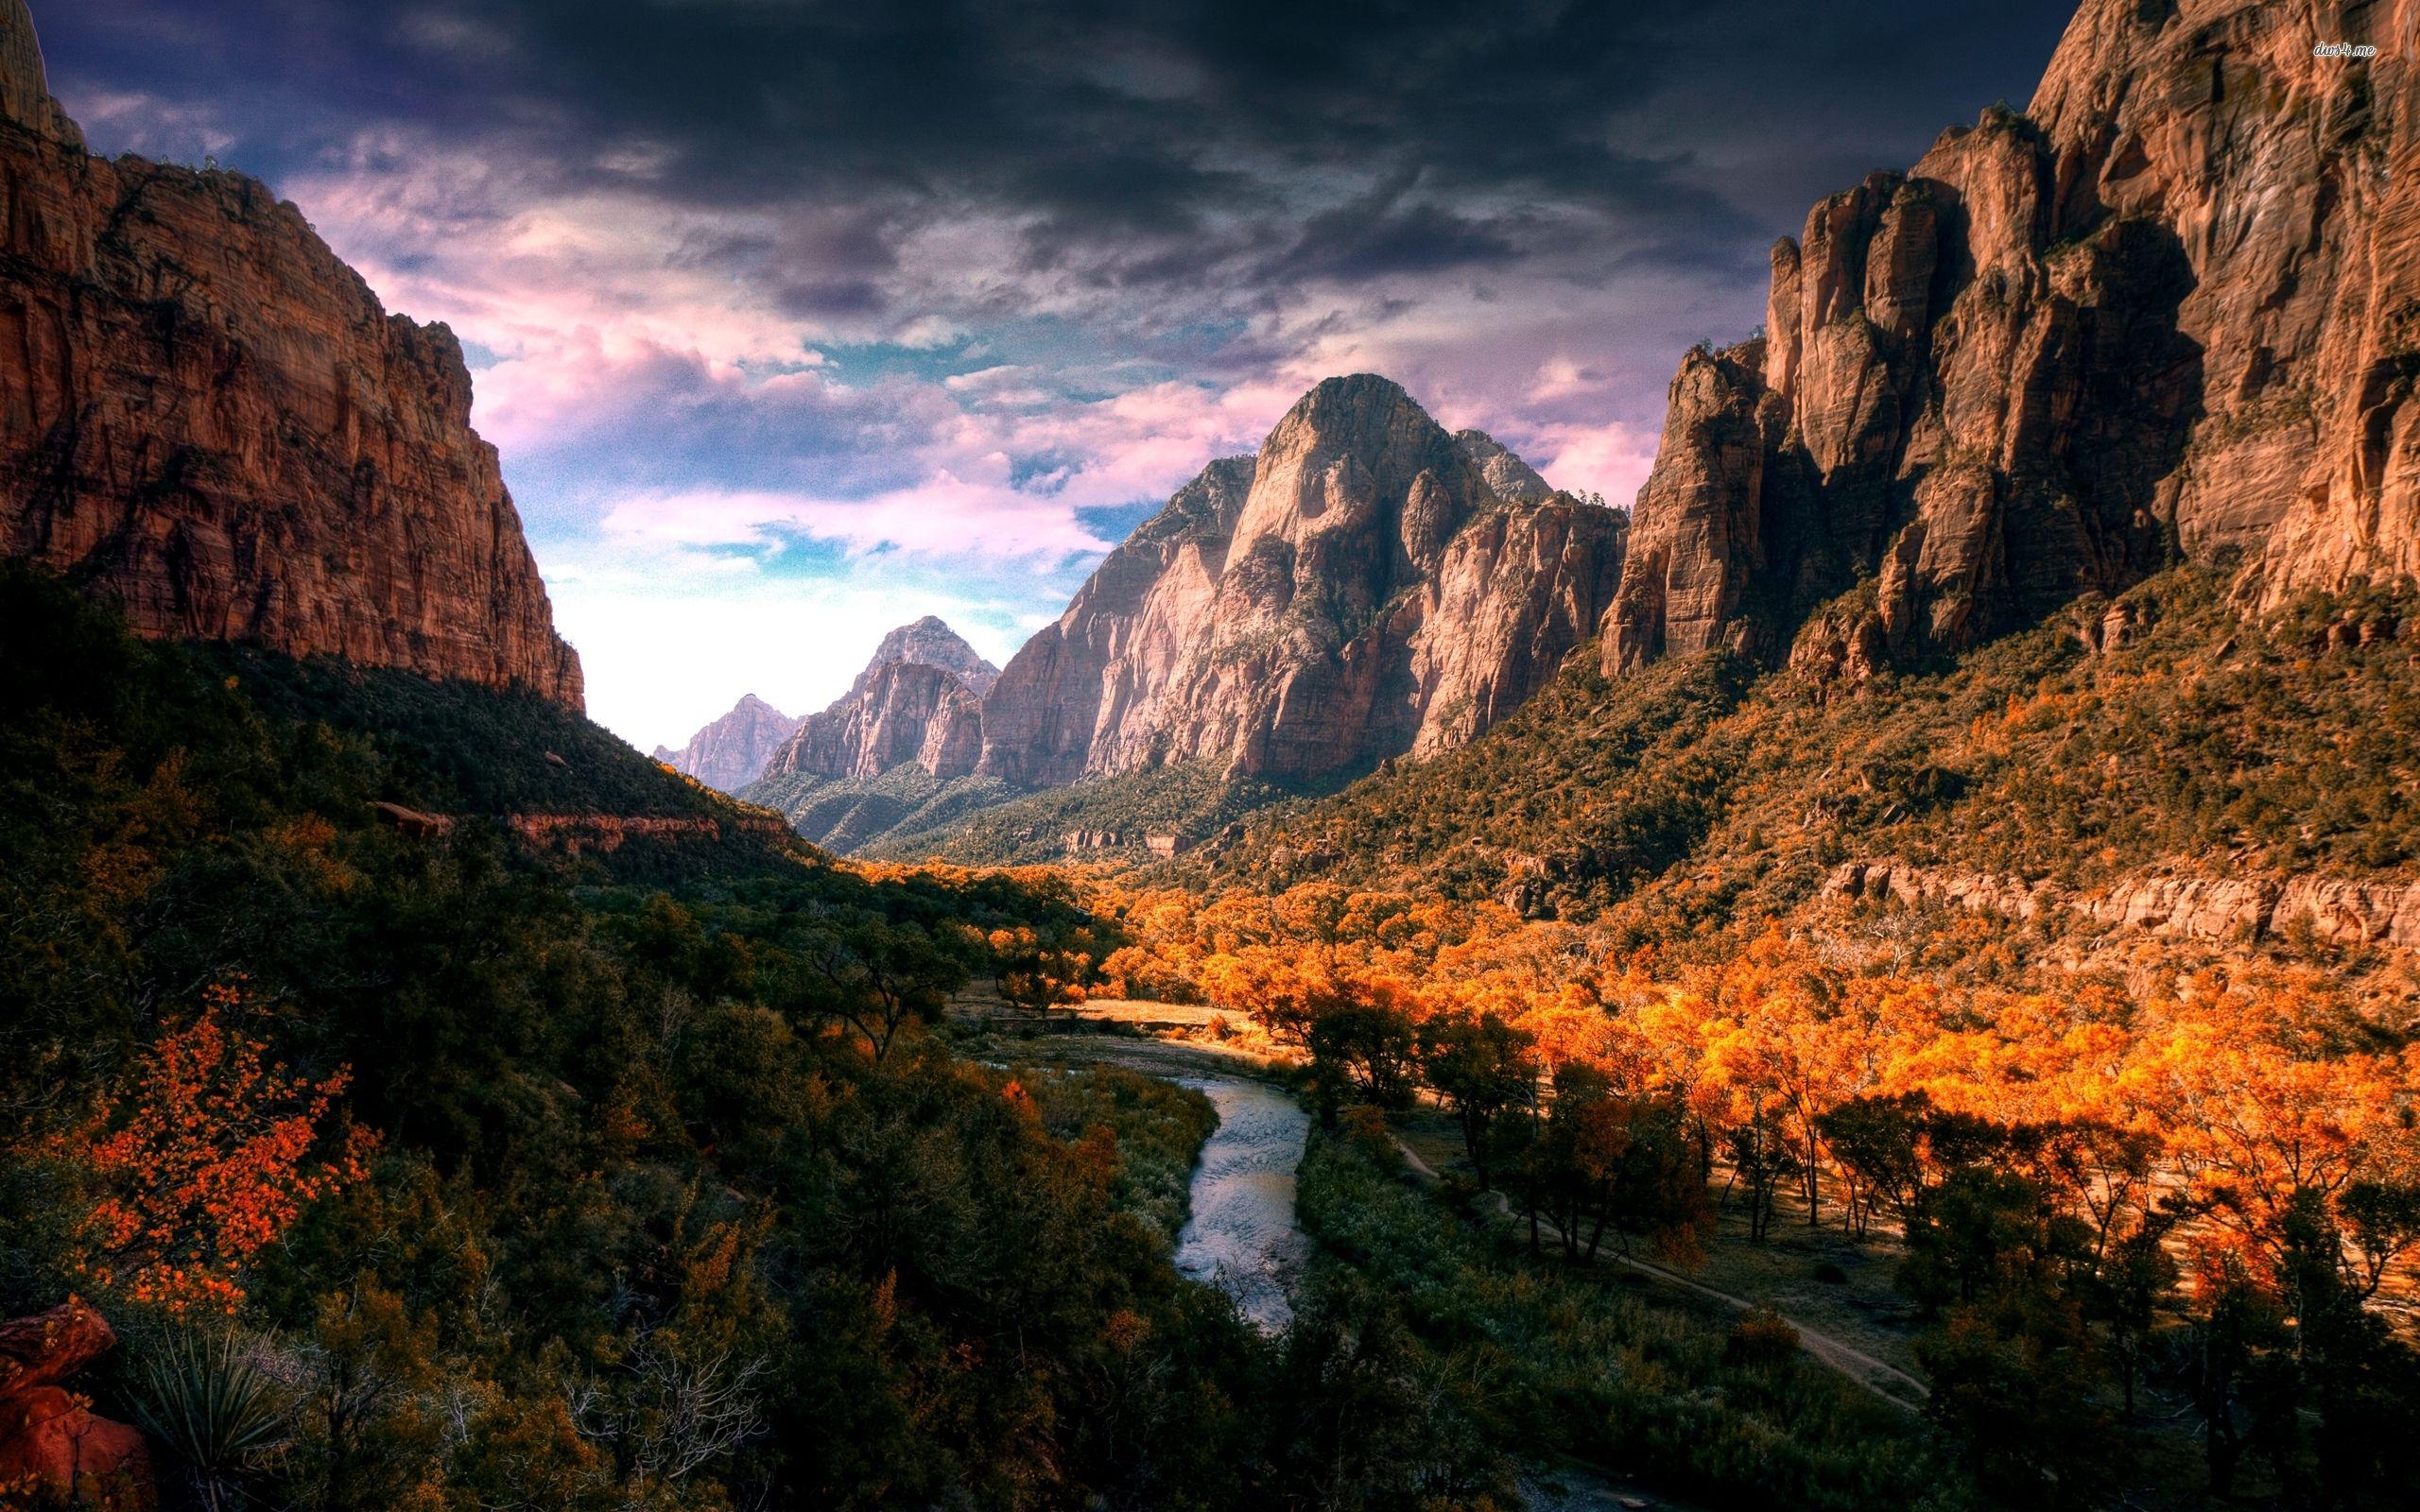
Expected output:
(1879, 1377)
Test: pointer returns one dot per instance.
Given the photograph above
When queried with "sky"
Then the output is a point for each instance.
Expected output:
(795, 321)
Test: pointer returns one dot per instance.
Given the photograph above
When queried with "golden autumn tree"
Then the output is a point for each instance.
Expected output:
(2251, 1120)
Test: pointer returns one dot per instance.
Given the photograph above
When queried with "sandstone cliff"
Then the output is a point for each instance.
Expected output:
(917, 701)
(731, 752)
(2173, 310)
(207, 418)
(1362, 588)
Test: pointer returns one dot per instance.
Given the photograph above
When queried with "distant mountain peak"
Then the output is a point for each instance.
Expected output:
(731, 752)
(1352, 592)
(929, 641)
(1508, 477)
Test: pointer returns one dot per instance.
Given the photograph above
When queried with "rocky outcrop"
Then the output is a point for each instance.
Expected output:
(1358, 590)
(1506, 475)
(731, 752)
(208, 419)
(1975, 891)
(2336, 911)
(52, 1447)
(411, 823)
(574, 834)
(917, 701)
(2174, 310)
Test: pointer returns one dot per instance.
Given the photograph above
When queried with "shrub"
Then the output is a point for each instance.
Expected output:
(1762, 1340)
(218, 1414)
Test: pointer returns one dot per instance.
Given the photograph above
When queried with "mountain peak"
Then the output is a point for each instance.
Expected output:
(1348, 594)
(1351, 447)
(25, 84)
(731, 752)
(1508, 477)
(1361, 404)
(929, 641)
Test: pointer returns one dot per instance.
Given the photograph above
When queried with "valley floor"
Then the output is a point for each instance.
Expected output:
(1835, 1289)
(1838, 1292)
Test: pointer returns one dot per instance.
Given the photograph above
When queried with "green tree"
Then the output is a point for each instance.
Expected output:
(1482, 1068)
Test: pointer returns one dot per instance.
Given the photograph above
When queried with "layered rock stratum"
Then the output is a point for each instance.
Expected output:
(731, 752)
(207, 418)
(1366, 586)
(2170, 312)
(918, 701)
(2340, 911)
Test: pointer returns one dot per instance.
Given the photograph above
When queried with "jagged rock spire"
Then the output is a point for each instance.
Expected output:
(24, 85)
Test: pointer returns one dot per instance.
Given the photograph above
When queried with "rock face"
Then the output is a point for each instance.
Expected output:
(2174, 310)
(732, 752)
(574, 834)
(51, 1445)
(2339, 911)
(1098, 668)
(207, 418)
(1361, 589)
(918, 700)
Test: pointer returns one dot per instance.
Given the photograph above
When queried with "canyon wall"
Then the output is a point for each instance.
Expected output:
(2173, 311)
(208, 419)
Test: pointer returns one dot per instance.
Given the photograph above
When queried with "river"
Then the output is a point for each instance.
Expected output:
(1242, 1236)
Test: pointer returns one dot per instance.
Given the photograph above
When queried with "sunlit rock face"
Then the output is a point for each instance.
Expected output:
(1366, 586)
(208, 419)
(918, 700)
(2171, 310)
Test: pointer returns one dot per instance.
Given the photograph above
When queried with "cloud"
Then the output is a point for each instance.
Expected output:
(1613, 459)
(152, 127)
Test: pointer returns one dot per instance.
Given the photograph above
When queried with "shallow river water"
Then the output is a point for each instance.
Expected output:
(1242, 1237)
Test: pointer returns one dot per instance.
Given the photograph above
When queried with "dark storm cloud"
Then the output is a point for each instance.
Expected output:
(1221, 120)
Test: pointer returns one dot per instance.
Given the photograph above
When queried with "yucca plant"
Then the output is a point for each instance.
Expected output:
(216, 1412)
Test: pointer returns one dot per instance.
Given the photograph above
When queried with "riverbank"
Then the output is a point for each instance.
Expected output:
(1245, 1234)
(1542, 1359)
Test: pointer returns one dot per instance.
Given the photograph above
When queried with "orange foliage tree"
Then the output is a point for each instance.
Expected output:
(2222, 1102)
(207, 1156)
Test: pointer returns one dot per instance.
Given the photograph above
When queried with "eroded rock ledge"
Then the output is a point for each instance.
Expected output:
(2180, 905)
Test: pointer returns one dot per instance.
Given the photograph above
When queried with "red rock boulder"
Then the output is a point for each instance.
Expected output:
(51, 1445)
